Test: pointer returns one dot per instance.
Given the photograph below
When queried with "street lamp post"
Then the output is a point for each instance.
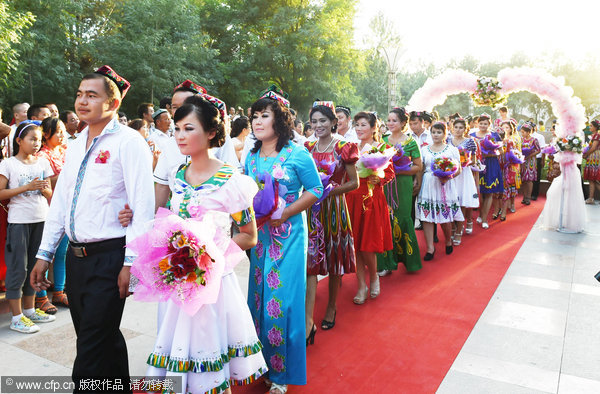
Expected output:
(391, 55)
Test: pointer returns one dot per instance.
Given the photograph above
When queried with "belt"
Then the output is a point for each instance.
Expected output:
(87, 249)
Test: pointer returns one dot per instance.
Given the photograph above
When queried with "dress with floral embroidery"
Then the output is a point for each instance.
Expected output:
(511, 172)
(218, 346)
(529, 168)
(277, 283)
(437, 202)
(330, 241)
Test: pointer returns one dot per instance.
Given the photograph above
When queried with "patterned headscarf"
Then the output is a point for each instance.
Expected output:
(121, 82)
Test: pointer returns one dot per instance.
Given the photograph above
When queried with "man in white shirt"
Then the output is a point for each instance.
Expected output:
(418, 130)
(107, 167)
(539, 158)
(145, 112)
(162, 125)
(71, 121)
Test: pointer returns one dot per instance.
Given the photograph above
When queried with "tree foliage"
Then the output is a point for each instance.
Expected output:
(12, 26)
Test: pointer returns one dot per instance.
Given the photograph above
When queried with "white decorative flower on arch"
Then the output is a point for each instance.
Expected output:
(566, 107)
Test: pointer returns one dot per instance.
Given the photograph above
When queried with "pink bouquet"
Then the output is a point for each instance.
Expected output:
(179, 260)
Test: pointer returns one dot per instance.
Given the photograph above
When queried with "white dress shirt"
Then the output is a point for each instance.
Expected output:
(91, 191)
(160, 139)
(423, 139)
(350, 136)
(541, 140)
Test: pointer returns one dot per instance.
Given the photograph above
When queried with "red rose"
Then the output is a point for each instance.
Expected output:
(205, 261)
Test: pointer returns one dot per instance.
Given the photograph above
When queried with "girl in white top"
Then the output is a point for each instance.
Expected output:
(24, 180)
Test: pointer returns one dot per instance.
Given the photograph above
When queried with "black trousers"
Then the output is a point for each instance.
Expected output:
(96, 310)
(535, 191)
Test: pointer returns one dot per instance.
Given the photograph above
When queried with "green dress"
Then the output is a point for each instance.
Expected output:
(398, 194)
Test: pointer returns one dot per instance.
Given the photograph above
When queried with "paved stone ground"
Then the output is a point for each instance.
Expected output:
(539, 333)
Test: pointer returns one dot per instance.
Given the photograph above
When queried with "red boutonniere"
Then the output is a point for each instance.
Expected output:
(103, 156)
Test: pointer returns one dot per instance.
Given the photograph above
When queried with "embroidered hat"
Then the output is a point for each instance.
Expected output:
(343, 109)
(325, 104)
(220, 104)
(156, 114)
(595, 123)
(274, 93)
(121, 82)
(484, 116)
(190, 86)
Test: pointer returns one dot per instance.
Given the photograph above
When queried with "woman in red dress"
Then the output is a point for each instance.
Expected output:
(369, 212)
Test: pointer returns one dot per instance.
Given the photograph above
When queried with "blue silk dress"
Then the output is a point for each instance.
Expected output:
(277, 283)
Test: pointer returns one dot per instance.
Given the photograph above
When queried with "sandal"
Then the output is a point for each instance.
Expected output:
(457, 239)
(60, 298)
(469, 228)
(590, 201)
(328, 325)
(278, 388)
(361, 296)
(44, 304)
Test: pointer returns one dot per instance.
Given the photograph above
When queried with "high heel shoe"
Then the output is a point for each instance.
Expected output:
(328, 325)
(375, 289)
(469, 228)
(457, 239)
(361, 296)
(311, 337)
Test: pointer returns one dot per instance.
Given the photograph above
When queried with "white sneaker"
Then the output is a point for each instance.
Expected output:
(39, 316)
(24, 325)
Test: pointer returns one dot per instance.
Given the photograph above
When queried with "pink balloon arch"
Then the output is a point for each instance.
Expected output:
(566, 107)
(565, 206)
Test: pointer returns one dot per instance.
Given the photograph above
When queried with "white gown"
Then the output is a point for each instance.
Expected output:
(218, 346)
(438, 203)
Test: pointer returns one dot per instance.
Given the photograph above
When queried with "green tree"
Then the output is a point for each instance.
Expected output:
(12, 26)
(301, 45)
(156, 44)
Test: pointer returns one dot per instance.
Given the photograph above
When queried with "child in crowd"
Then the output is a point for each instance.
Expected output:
(24, 179)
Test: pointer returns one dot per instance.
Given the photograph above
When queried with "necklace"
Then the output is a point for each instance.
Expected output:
(326, 149)
(266, 155)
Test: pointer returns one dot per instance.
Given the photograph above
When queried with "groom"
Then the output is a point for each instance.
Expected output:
(106, 167)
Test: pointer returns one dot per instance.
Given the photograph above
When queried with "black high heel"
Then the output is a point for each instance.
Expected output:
(311, 336)
(328, 325)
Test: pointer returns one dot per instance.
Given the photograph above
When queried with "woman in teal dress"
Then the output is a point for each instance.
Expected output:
(277, 283)
(398, 194)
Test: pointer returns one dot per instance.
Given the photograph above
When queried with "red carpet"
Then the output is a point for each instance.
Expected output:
(406, 340)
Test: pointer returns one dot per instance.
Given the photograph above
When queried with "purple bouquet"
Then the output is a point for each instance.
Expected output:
(401, 161)
(549, 149)
(514, 157)
(325, 170)
(268, 202)
(488, 146)
(527, 151)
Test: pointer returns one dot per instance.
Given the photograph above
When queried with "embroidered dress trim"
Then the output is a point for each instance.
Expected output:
(174, 364)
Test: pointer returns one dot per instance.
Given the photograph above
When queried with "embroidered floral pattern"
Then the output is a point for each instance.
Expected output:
(273, 279)
(257, 300)
(260, 250)
(275, 252)
(279, 172)
(275, 336)
(257, 276)
(102, 157)
(274, 308)
(277, 362)
(290, 198)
